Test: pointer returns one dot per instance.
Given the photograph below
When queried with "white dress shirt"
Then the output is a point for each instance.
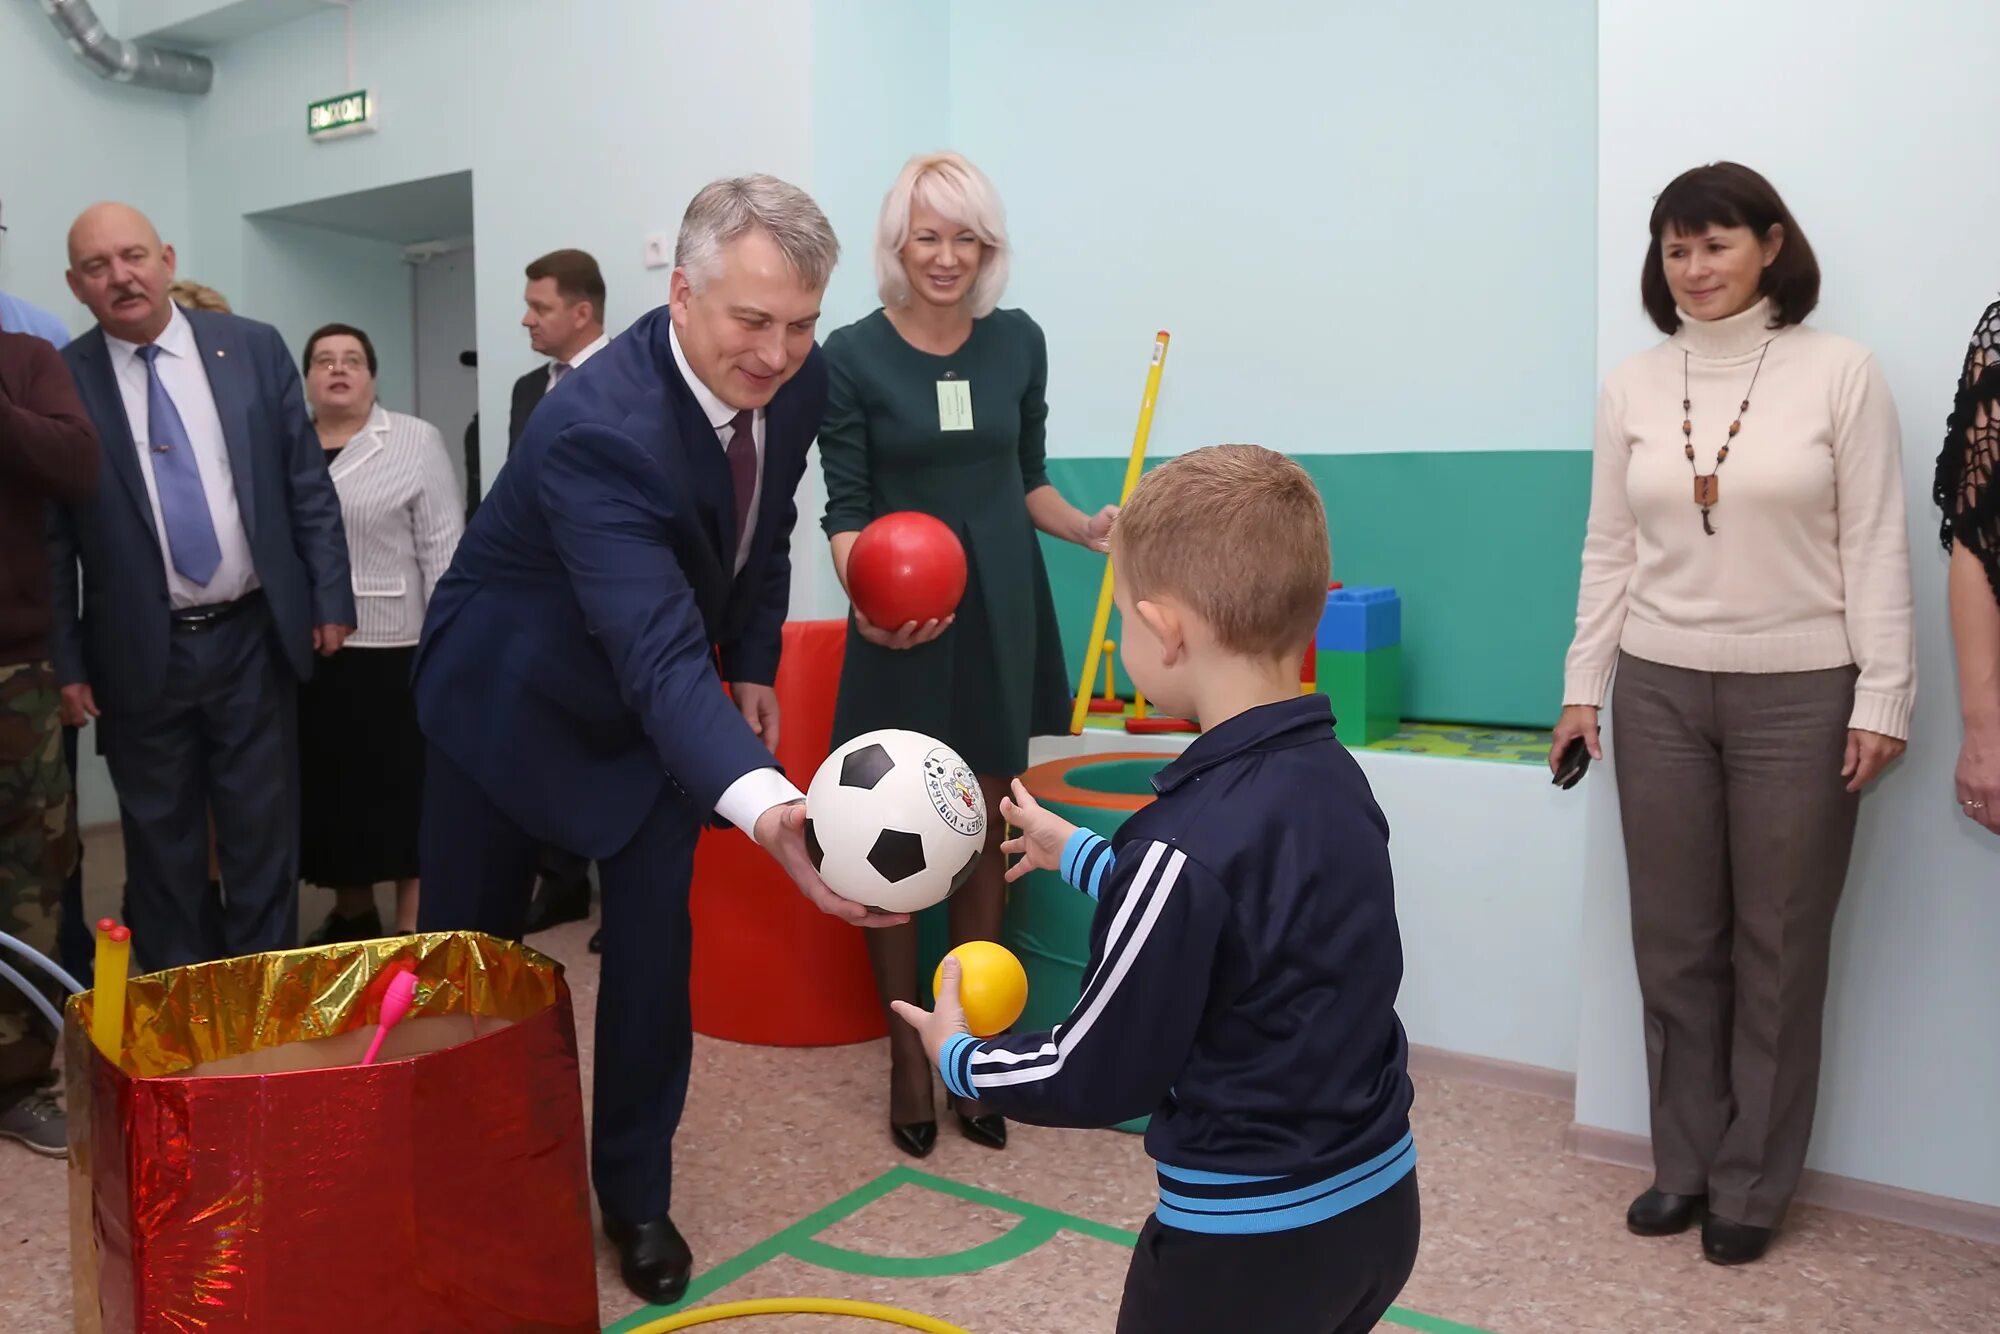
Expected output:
(186, 382)
(720, 415)
(760, 789)
(589, 350)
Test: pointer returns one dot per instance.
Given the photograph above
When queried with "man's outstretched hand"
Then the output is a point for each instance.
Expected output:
(781, 831)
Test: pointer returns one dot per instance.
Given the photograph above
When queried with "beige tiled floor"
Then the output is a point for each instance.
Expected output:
(1517, 1236)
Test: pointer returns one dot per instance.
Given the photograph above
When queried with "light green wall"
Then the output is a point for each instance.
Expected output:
(1482, 547)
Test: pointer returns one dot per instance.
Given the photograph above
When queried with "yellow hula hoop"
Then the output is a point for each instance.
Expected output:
(888, 1315)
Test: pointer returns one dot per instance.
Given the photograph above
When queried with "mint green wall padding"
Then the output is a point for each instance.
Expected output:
(1483, 548)
(1124, 778)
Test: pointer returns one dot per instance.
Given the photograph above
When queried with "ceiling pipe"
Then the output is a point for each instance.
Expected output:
(126, 62)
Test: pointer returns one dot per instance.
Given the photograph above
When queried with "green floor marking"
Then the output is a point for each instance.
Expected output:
(1018, 1242)
(767, 1250)
(1038, 1225)
(1429, 1324)
(1058, 1221)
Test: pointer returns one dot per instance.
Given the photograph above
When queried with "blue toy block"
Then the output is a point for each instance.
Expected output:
(1360, 620)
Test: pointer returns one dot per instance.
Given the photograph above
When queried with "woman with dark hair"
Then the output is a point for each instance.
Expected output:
(361, 754)
(1971, 533)
(1746, 600)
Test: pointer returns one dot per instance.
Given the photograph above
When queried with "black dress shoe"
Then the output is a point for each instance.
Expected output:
(1659, 1214)
(1727, 1242)
(338, 930)
(653, 1259)
(556, 902)
(916, 1138)
(988, 1128)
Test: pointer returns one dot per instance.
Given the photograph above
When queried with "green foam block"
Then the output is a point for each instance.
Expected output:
(1366, 690)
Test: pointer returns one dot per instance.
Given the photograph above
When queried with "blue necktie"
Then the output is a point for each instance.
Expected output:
(183, 503)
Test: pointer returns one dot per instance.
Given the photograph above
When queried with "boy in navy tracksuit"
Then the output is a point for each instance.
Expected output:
(1245, 958)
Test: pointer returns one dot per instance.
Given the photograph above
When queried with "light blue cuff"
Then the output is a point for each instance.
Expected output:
(1086, 860)
(955, 1063)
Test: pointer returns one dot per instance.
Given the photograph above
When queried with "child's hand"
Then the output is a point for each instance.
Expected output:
(935, 1027)
(1042, 836)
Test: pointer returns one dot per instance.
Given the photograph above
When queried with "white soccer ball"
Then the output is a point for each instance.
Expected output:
(895, 820)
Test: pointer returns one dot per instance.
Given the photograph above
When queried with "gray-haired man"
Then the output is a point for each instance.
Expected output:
(568, 680)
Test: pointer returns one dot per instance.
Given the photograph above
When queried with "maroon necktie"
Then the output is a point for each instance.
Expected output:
(742, 454)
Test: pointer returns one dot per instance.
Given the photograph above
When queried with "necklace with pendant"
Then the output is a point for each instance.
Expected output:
(1708, 489)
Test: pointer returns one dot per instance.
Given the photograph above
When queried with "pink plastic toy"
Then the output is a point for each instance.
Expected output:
(396, 1002)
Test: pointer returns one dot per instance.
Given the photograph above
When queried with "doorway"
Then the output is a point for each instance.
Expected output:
(444, 362)
(397, 262)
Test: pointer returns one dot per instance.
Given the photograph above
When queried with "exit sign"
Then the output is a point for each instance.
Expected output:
(336, 117)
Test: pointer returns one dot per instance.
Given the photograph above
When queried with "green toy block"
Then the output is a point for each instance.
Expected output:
(1367, 693)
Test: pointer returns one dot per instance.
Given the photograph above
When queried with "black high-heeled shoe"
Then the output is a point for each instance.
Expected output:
(988, 1128)
(916, 1138)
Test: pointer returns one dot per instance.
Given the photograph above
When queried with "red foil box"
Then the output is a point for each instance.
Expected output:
(237, 1169)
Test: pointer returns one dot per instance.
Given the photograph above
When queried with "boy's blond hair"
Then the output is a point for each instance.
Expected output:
(1237, 533)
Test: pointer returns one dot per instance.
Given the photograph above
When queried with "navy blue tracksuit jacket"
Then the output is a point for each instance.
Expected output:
(1244, 964)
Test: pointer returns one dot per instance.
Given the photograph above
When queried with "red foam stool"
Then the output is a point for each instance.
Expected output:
(770, 969)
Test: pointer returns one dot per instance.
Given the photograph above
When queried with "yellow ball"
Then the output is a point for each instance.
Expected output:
(992, 986)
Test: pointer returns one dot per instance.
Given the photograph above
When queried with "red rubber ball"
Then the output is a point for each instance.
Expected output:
(906, 566)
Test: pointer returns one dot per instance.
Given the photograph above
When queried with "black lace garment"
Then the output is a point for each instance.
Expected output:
(1965, 488)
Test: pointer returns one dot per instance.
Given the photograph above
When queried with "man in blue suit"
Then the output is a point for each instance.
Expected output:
(632, 556)
(214, 566)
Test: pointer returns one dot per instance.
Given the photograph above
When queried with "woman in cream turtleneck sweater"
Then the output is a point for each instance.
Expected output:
(1750, 614)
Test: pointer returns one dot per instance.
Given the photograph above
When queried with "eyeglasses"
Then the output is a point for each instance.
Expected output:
(352, 362)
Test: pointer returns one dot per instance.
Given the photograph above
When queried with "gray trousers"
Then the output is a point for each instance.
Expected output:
(1738, 828)
(222, 736)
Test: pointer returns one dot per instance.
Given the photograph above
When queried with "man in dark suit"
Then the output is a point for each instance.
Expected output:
(214, 566)
(565, 323)
(632, 556)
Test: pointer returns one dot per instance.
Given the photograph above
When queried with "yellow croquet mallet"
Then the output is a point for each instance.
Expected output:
(1102, 620)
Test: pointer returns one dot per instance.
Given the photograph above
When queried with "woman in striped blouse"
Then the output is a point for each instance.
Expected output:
(362, 755)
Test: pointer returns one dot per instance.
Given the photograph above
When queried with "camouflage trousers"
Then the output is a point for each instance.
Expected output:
(38, 846)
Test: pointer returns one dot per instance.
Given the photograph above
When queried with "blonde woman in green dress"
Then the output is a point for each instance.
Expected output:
(936, 403)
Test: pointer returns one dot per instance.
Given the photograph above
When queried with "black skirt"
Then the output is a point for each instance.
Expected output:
(362, 769)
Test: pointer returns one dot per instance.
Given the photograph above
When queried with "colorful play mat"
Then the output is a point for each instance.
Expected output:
(1452, 740)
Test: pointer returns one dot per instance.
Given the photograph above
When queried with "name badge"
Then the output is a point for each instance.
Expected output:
(954, 405)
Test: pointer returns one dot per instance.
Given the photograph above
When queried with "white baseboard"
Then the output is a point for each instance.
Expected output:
(1867, 1199)
(1516, 1078)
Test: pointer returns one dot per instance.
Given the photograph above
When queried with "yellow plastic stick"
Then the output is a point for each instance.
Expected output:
(1110, 656)
(107, 1007)
(1138, 702)
(1133, 467)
